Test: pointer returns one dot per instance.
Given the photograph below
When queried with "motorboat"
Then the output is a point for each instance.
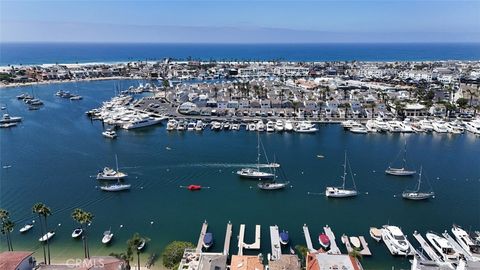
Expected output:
(394, 126)
(107, 237)
(116, 187)
(371, 126)
(270, 126)
(359, 130)
(324, 240)
(272, 185)
(207, 240)
(226, 125)
(8, 125)
(110, 133)
(235, 126)
(403, 171)
(191, 126)
(194, 187)
(199, 125)
(406, 126)
(172, 124)
(443, 247)
(181, 126)
(342, 192)
(466, 242)
(396, 241)
(77, 232)
(260, 126)
(426, 125)
(355, 242)
(305, 127)
(7, 119)
(279, 126)
(26, 227)
(381, 125)
(142, 244)
(254, 173)
(439, 126)
(348, 124)
(252, 127)
(76, 97)
(417, 194)
(24, 96)
(143, 122)
(47, 236)
(110, 174)
(455, 128)
(376, 234)
(284, 237)
(216, 126)
(473, 126)
(288, 125)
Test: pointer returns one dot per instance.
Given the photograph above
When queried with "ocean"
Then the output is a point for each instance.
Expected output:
(56, 151)
(50, 53)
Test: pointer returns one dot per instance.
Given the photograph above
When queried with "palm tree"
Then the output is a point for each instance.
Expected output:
(45, 212)
(134, 243)
(84, 218)
(37, 209)
(7, 228)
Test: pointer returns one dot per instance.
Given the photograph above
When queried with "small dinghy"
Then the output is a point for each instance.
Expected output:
(284, 238)
(208, 240)
(26, 228)
(324, 240)
(107, 237)
(376, 234)
(194, 187)
(77, 232)
(47, 236)
(142, 244)
(355, 242)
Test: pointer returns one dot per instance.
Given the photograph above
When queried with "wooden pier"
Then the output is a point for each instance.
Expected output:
(426, 247)
(275, 243)
(241, 237)
(228, 236)
(308, 239)
(202, 235)
(365, 251)
(333, 245)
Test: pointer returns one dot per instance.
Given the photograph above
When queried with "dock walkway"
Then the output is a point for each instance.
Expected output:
(365, 250)
(308, 239)
(202, 235)
(228, 236)
(426, 247)
(241, 237)
(275, 243)
(333, 245)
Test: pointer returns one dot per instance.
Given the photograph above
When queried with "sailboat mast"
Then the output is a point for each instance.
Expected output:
(405, 155)
(344, 170)
(258, 150)
(419, 180)
(116, 164)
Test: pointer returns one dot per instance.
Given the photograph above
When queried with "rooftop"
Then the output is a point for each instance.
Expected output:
(11, 259)
(246, 263)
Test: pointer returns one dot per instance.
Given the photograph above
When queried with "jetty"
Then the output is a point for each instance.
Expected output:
(202, 235)
(333, 245)
(228, 236)
(275, 243)
(426, 247)
(241, 237)
(308, 239)
(365, 251)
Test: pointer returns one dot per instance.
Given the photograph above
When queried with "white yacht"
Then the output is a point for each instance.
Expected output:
(143, 122)
(260, 126)
(348, 124)
(235, 126)
(216, 126)
(455, 128)
(359, 129)
(191, 126)
(111, 174)
(381, 125)
(181, 126)
(279, 126)
(110, 133)
(439, 126)
(77, 232)
(394, 126)
(426, 125)
(172, 124)
(403, 171)
(305, 127)
(473, 126)
(288, 125)
(466, 242)
(256, 173)
(371, 126)
(6, 119)
(199, 126)
(341, 192)
(406, 126)
(107, 237)
(272, 185)
(46, 236)
(116, 187)
(251, 127)
(396, 241)
(443, 247)
(26, 228)
(270, 126)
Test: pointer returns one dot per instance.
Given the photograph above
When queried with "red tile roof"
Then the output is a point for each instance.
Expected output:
(10, 260)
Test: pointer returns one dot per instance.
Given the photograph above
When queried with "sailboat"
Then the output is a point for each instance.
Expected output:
(273, 185)
(256, 173)
(119, 175)
(416, 194)
(341, 192)
(401, 171)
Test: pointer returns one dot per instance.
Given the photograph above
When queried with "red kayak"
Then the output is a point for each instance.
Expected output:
(194, 187)
(324, 240)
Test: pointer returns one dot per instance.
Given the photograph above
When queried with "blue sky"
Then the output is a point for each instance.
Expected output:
(247, 21)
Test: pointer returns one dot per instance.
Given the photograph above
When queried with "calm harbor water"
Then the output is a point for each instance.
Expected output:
(40, 53)
(55, 152)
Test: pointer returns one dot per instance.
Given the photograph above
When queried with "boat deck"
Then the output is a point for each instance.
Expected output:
(333, 245)
(202, 235)
(457, 247)
(365, 250)
(228, 236)
(308, 239)
(426, 247)
(275, 243)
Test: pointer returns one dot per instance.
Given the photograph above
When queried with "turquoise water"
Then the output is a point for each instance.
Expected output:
(55, 152)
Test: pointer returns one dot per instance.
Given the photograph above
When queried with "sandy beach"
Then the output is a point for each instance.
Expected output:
(10, 85)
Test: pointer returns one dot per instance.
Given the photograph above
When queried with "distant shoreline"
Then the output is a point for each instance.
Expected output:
(14, 85)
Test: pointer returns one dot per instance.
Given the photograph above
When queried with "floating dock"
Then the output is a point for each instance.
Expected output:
(333, 245)
(202, 235)
(228, 236)
(308, 239)
(275, 242)
(426, 247)
(241, 237)
(365, 251)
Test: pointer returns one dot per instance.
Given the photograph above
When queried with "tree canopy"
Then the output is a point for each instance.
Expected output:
(172, 255)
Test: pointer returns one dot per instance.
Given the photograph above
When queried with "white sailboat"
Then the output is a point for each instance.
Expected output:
(401, 171)
(107, 236)
(256, 173)
(416, 194)
(341, 192)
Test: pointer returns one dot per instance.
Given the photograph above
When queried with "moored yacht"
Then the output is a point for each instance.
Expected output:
(116, 187)
(270, 126)
(272, 185)
(443, 247)
(279, 126)
(47, 236)
(107, 237)
(342, 192)
(416, 194)
(111, 174)
(425, 125)
(473, 126)
(260, 126)
(403, 171)
(6, 119)
(381, 125)
(172, 124)
(305, 127)
(110, 133)
(143, 122)
(207, 240)
(439, 126)
(199, 126)
(26, 227)
(396, 241)
(288, 125)
(191, 126)
(466, 242)
(77, 232)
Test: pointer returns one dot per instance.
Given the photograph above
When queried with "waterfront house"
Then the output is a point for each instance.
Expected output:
(310, 105)
(17, 260)
(222, 104)
(243, 104)
(187, 108)
(255, 104)
(320, 261)
(265, 104)
(286, 261)
(233, 104)
(331, 107)
(412, 110)
(437, 110)
(287, 104)
(246, 263)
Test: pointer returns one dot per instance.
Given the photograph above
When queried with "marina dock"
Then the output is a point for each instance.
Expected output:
(426, 247)
(241, 237)
(308, 239)
(275, 243)
(333, 245)
(202, 235)
(365, 250)
(228, 236)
